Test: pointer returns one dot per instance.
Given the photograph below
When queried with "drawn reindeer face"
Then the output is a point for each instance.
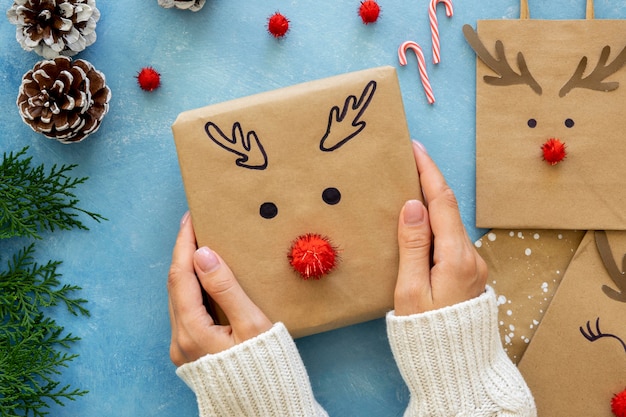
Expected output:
(549, 124)
(312, 255)
(553, 149)
(299, 190)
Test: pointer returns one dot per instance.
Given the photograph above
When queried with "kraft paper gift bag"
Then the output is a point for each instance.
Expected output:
(525, 269)
(558, 85)
(576, 362)
(299, 190)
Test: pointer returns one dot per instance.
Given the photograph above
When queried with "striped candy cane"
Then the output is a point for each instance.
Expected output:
(421, 63)
(434, 25)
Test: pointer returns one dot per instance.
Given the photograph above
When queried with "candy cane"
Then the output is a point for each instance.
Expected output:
(421, 63)
(434, 25)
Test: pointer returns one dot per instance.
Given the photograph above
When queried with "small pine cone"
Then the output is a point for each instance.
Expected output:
(54, 27)
(63, 99)
(193, 5)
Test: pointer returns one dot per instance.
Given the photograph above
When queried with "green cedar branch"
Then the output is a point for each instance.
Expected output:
(34, 347)
(33, 199)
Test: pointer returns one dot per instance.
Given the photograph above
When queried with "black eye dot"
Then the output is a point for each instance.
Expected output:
(268, 210)
(569, 123)
(331, 196)
(532, 123)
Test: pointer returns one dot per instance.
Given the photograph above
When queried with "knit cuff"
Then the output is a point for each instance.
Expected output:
(263, 376)
(453, 361)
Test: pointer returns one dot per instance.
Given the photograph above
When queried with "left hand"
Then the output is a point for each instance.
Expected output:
(194, 332)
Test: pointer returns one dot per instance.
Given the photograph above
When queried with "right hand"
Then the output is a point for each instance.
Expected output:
(439, 265)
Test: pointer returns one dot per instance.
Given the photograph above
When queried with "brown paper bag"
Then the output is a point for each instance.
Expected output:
(525, 269)
(576, 361)
(538, 80)
(330, 158)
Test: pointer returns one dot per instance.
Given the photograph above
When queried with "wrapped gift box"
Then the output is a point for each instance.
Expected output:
(330, 159)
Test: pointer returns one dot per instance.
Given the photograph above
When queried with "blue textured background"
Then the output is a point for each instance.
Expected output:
(219, 53)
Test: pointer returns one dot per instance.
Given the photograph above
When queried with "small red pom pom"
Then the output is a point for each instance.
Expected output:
(148, 79)
(618, 404)
(553, 151)
(277, 25)
(312, 256)
(369, 11)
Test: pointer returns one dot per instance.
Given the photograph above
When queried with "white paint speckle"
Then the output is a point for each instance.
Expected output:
(544, 287)
(492, 237)
(520, 235)
(501, 300)
(536, 236)
(509, 313)
(527, 252)
(478, 243)
(511, 327)
(507, 339)
(512, 233)
(560, 236)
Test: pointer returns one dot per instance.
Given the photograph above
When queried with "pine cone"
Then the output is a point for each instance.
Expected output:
(54, 27)
(64, 99)
(193, 5)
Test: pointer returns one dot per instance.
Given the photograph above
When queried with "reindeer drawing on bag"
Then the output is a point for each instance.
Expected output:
(520, 73)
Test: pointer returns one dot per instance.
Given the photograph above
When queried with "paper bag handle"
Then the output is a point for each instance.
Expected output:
(524, 11)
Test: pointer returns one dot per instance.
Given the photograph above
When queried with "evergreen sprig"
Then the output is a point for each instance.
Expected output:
(34, 199)
(33, 346)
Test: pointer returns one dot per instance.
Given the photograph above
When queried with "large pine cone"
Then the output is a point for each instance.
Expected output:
(54, 27)
(193, 5)
(64, 99)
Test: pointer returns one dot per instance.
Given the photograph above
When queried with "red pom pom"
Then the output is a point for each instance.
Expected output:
(312, 256)
(369, 11)
(618, 404)
(148, 79)
(553, 151)
(277, 25)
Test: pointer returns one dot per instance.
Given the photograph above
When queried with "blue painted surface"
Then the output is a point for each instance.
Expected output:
(220, 53)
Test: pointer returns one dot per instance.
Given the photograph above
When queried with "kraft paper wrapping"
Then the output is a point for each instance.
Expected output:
(576, 361)
(515, 187)
(367, 157)
(525, 269)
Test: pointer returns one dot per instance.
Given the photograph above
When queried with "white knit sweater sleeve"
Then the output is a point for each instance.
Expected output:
(263, 376)
(453, 362)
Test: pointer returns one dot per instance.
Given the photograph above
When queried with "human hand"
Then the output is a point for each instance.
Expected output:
(194, 332)
(439, 265)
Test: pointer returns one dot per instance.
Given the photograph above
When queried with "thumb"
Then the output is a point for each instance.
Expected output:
(413, 291)
(224, 289)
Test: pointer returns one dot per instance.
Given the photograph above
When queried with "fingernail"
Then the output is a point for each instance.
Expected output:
(420, 146)
(413, 213)
(185, 218)
(206, 260)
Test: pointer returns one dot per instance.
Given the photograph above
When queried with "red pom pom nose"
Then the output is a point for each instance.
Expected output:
(553, 151)
(312, 256)
(618, 404)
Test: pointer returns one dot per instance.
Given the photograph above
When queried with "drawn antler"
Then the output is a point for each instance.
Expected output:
(346, 123)
(618, 276)
(499, 63)
(248, 148)
(602, 70)
(592, 335)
